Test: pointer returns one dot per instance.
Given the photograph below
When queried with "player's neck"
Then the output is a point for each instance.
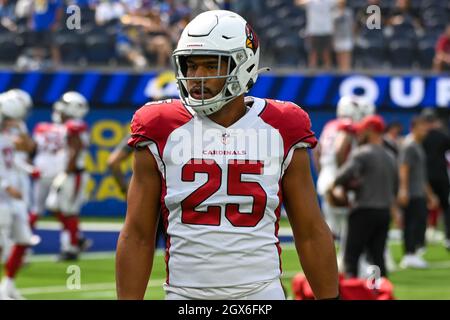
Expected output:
(230, 113)
(417, 139)
(376, 139)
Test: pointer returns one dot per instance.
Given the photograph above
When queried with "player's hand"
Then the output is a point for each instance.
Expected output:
(14, 193)
(397, 217)
(337, 196)
(403, 197)
(35, 174)
(433, 202)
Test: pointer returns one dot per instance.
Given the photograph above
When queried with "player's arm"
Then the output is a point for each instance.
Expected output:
(114, 163)
(403, 189)
(406, 159)
(75, 146)
(342, 145)
(349, 171)
(135, 247)
(313, 238)
(432, 199)
(25, 143)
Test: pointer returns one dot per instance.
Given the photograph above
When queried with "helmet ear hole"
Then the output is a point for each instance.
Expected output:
(182, 60)
(232, 65)
(182, 88)
(250, 84)
(228, 93)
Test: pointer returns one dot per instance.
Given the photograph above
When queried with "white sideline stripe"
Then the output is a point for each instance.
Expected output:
(85, 256)
(111, 254)
(85, 226)
(101, 286)
(116, 226)
(394, 234)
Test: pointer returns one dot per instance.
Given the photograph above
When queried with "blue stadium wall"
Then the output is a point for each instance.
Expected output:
(115, 96)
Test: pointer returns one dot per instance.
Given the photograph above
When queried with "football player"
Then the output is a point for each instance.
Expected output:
(335, 144)
(49, 159)
(13, 195)
(20, 104)
(218, 164)
(67, 192)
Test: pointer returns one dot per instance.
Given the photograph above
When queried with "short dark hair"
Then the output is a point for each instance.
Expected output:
(429, 114)
(416, 120)
(394, 124)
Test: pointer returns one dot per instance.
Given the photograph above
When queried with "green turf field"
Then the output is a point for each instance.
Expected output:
(44, 278)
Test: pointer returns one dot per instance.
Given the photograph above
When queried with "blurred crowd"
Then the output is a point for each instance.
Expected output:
(48, 33)
(346, 34)
(340, 34)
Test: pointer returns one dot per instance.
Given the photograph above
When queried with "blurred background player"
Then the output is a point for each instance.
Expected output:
(49, 155)
(392, 137)
(20, 104)
(372, 172)
(436, 144)
(25, 144)
(414, 194)
(67, 192)
(335, 143)
(16, 228)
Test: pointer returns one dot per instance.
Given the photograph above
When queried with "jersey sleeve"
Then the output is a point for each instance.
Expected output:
(143, 126)
(40, 129)
(76, 127)
(297, 131)
(154, 122)
(293, 124)
(347, 126)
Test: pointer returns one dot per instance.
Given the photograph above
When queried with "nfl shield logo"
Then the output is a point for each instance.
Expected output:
(225, 137)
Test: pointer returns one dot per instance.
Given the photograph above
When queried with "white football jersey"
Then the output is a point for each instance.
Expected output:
(221, 187)
(328, 155)
(21, 157)
(8, 171)
(80, 128)
(50, 155)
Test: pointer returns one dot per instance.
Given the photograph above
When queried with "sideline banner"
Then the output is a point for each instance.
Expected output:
(121, 89)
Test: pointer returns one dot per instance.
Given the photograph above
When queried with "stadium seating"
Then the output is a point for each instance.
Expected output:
(71, 45)
(281, 26)
(10, 46)
(402, 45)
(371, 49)
(426, 46)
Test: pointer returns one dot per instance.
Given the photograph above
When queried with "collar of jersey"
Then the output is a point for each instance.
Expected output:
(257, 107)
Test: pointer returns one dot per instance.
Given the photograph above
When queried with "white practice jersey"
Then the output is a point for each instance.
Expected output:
(221, 195)
(328, 153)
(80, 128)
(9, 175)
(50, 156)
(21, 158)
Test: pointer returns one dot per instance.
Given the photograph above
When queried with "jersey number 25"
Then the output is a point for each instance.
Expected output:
(235, 187)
